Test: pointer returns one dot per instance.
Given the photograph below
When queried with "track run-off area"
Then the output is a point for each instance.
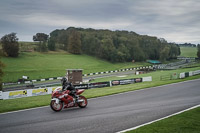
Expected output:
(107, 114)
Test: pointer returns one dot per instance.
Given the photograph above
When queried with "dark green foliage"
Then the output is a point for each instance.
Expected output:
(51, 45)
(10, 45)
(187, 45)
(42, 38)
(115, 46)
(60, 37)
(43, 47)
(74, 42)
(198, 51)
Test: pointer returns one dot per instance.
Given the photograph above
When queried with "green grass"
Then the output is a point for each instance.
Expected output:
(187, 122)
(188, 51)
(37, 101)
(54, 64)
(155, 75)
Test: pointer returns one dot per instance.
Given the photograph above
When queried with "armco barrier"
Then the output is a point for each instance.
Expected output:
(49, 90)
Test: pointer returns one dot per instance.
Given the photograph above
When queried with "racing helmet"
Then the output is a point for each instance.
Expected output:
(63, 81)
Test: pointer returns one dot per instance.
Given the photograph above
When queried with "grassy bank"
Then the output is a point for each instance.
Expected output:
(54, 64)
(37, 101)
(188, 51)
(187, 122)
(156, 75)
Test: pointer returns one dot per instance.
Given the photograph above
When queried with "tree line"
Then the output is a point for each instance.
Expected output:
(114, 46)
(187, 45)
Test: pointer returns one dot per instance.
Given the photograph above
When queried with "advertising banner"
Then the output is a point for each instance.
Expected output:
(123, 82)
(81, 86)
(17, 94)
(42, 91)
(99, 85)
(186, 74)
(137, 80)
(182, 75)
(145, 79)
(115, 82)
(196, 72)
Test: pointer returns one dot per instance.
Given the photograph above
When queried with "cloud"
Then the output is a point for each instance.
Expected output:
(174, 20)
(66, 21)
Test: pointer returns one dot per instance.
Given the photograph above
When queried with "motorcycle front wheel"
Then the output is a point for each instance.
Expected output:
(83, 102)
(56, 106)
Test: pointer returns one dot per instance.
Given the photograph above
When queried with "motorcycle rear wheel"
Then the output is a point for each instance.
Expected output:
(56, 106)
(84, 103)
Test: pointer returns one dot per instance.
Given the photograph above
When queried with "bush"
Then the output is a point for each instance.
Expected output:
(10, 45)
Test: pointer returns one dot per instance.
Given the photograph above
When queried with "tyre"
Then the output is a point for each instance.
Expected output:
(83, 102)
(56, 106)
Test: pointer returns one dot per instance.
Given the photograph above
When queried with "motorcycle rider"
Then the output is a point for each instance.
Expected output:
(66, 85)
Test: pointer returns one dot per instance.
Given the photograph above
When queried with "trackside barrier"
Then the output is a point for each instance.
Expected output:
(188, 74)
(49, 90)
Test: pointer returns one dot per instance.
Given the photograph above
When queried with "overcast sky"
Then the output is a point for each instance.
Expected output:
(175, 20)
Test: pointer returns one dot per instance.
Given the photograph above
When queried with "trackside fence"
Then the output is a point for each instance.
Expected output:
(49, 90)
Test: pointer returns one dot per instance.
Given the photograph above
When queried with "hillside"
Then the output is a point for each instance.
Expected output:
(53, 64)
(188, 51)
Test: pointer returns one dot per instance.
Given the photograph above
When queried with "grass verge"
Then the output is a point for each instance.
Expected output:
(187, 122)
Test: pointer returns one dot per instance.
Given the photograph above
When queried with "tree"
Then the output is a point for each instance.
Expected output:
(10, 45)
(107, 50)
(42, 38)
(74, 42)
(164, 54)
(198, 51)
(51, 45)
(123, 53)
(114, 46)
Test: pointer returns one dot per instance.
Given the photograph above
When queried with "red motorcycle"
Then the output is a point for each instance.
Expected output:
(62, 99)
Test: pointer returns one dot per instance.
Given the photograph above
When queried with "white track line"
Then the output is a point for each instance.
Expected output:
(133, 128)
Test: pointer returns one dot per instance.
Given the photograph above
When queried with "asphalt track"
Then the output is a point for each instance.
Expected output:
(107, 114)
